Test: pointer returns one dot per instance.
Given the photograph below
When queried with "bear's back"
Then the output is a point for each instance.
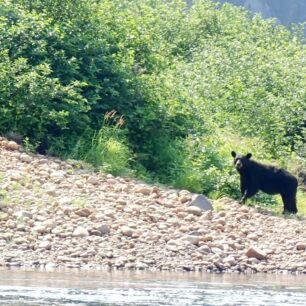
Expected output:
(271, 179)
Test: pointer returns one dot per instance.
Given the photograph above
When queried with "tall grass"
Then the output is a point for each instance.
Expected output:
(106, 149)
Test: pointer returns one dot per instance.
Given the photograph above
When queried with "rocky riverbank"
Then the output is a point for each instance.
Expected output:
(57, 214)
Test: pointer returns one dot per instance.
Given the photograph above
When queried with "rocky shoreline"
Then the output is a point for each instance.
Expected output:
(56, 214)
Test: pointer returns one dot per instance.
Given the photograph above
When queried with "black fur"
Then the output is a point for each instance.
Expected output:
(255, 176)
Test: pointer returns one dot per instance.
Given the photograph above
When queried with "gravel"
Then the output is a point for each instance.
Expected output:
(60, 214)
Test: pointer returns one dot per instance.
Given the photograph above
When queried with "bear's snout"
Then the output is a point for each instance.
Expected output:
(238, 164)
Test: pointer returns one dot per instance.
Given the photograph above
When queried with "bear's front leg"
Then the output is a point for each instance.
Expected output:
(243, 191)
(247, 194)
(243, 198)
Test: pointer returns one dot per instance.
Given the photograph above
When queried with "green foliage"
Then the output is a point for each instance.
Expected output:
(241, 77)
(192, 84)
(107, 149)
(301, 200)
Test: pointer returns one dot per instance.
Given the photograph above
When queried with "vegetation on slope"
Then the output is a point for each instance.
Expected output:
(153, 87)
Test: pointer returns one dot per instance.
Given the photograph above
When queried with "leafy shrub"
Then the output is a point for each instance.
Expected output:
(35, 104)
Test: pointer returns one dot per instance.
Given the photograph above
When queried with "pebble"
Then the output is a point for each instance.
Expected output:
(194, 210)
(25, 158)
(93, 180)
(103, 229)
(301, 246)
(84, 212)
(143, 190)
(12, 145)
(126, 231)
(256, 253)
(45, 245)
(80, 232)
(193, 239)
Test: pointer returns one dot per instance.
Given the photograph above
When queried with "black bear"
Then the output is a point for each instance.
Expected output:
(255, 176)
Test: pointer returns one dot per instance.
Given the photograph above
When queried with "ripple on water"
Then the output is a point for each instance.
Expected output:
(38, 288)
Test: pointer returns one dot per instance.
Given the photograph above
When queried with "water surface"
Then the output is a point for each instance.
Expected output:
(69, 287)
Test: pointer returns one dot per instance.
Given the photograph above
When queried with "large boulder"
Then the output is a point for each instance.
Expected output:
(202, 202)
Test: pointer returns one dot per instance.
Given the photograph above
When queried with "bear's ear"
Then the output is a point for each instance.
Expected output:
(234, 154)
(249, 155)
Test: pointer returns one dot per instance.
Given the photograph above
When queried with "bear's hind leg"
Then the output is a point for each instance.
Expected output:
(289, 201)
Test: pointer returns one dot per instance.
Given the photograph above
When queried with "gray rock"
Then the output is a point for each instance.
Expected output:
(202, 202)
(23, 214)
(103, 229)
(193, 239)
(95, 232)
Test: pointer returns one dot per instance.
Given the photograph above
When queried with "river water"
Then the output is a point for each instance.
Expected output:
(68, 287)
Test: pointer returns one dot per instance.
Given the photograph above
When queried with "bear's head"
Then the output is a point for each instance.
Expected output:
(241, 161)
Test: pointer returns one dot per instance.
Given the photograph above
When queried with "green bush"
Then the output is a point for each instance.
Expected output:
(36, 105)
